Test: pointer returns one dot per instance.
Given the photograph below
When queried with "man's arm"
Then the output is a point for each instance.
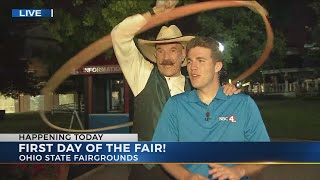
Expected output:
(234, 172)
(251, 169)
(133, 65)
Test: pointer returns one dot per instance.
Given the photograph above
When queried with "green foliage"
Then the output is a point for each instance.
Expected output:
(83, 23)
(77, 2)
(24, 83)
(119, 10)
(15, 78)
(38, 4)
(315, 5)
(242, 32)
(278, 52)
(314, 33)
(63, 29)
(237, 26)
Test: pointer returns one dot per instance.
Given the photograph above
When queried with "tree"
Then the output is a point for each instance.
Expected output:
(315, 29)
(242, 33)
(14, 75)
(313, 51)
(15, 78)
(315, 5)
(78, 23)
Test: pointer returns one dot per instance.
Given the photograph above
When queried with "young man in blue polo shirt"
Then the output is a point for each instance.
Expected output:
(206, 114)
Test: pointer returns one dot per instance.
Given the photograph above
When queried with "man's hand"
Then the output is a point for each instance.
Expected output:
(230, 89)
(221, 172)
(192, 176)
(165, 5)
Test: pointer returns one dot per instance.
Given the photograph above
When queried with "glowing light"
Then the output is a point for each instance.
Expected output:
(221, 47)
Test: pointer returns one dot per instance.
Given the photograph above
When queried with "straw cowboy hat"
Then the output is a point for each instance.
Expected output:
(166, 35)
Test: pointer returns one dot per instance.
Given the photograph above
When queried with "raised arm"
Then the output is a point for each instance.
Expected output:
(133, 65)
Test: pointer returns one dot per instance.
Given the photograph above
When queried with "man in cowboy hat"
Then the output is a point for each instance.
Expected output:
(152, 85)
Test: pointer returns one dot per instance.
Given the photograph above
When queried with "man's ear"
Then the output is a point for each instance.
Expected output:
(218, 66)
(184, 55)
(184, 52)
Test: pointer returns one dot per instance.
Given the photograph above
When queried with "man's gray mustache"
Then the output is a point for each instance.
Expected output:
(166, 62)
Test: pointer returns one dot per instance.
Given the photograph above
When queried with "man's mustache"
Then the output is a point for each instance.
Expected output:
(167, 62)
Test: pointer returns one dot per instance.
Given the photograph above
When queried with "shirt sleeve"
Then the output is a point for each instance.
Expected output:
(167, 127)
(134, 66)
(255, 130)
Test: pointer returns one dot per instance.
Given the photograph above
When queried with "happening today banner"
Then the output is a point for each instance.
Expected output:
(124, 148)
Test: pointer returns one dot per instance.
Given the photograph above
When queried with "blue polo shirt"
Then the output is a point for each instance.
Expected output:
(185, 118)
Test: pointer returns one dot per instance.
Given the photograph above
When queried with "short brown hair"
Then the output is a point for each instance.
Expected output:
(206, 42)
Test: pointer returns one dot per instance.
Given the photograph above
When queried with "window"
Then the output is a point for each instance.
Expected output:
(115, 96)
(7, 103)
(66, 99)
(36, 102)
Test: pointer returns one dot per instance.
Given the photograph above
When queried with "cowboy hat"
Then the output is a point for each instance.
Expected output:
(169, 34)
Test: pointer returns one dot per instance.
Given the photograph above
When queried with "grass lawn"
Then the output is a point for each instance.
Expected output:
(286, 118)
(292, 118)
(31, 122)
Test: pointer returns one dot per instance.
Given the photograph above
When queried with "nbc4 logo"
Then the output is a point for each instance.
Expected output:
(228, 118)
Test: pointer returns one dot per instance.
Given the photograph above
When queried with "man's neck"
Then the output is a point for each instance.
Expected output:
(208, 94)
(176, 75)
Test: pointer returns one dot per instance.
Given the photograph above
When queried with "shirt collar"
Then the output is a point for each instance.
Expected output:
(174, 77)
(193, 95)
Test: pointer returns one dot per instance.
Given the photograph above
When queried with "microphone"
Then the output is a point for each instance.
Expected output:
(207, 116)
